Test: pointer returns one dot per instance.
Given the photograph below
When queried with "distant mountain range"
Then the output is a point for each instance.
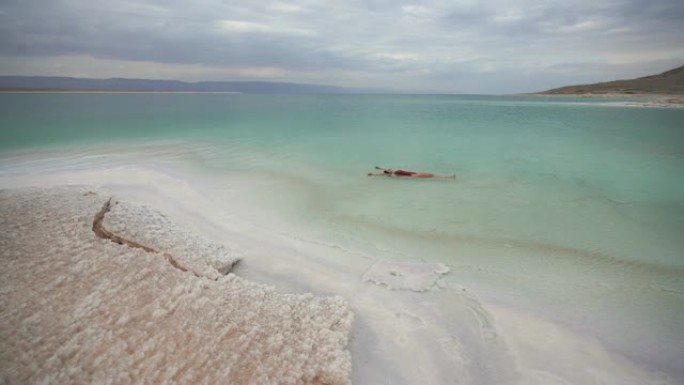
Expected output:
(669, 82)
(51, 83)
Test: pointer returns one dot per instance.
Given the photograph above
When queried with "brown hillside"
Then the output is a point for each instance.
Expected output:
(669, 82)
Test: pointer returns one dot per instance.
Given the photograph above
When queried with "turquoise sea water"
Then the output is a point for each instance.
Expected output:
(573, 202)
(543, 171)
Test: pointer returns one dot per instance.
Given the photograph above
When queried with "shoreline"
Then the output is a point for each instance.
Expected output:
(460, 327)
(650, 100)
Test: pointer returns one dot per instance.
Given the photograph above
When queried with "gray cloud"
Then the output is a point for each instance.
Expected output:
(429, 45)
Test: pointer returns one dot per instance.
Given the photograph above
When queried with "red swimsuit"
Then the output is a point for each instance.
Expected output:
(404, 173)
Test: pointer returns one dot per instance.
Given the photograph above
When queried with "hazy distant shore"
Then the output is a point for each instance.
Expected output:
(56, 91)
(61, 83)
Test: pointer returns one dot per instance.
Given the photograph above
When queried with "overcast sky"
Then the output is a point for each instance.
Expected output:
(459, 46)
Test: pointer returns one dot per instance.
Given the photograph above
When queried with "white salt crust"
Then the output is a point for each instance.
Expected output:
(144, 225)
(78, 309)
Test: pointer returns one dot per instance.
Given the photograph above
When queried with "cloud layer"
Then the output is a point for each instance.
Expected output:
(463, 46)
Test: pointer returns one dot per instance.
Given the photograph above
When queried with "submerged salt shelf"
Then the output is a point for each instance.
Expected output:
(405, 275)
(77, 309)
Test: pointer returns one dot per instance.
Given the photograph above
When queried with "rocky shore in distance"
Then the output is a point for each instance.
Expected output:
(665, 89)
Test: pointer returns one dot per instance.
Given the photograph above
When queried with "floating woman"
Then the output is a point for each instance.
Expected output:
(414, 174)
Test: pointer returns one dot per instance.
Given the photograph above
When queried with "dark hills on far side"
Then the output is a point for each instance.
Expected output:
(56, 83)
(667, 83)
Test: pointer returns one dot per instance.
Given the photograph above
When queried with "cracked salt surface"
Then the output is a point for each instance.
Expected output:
(146, 228)
(78, 309)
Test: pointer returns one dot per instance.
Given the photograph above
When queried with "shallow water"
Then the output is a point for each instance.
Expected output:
(566, 210)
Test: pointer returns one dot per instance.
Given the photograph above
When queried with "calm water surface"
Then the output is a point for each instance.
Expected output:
(577, 204)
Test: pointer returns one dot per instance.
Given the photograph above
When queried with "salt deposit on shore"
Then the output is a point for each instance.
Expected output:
(78, 309)
(631, 100)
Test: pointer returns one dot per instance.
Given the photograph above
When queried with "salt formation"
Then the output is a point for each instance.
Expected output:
(78, 309)
(146, 226)
(405, 275)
